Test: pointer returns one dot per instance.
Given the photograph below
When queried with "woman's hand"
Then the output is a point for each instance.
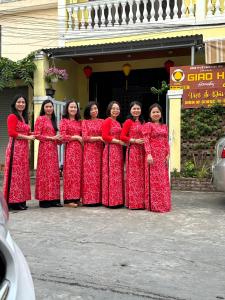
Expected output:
(167, 158)
(136, 141)
(77, 138)
(150, 159)
(117, 141)
(31, 137)
(139, 141)
(56, 137)
(122, 143)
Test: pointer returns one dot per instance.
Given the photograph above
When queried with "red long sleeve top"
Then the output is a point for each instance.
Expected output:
(11, 124)
(106, 126)
(125, 131)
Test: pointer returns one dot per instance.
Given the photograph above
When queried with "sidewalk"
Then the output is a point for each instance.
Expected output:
(100, 253)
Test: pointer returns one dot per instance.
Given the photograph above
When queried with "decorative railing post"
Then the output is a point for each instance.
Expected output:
(217, 8)
(76, 18)
(145, 12)
(116, 21)
(109, 14)
(138, 14)
(209, 9)
(123, 15)
(96, 17)
(200, 11)
(89, 20)
(152, 12)
(160, 11)
(175, 11)
(168, 11)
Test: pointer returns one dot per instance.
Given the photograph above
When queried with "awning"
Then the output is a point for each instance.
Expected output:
(126, 47)
(215, 52)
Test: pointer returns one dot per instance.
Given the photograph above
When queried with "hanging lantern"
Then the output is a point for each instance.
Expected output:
(87, 71)
(126, 71)
(168, 64)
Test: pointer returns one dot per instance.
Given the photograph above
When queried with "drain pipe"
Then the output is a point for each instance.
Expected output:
(192, 55)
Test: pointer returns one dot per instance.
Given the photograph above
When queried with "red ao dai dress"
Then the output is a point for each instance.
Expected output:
(16, 185)
(112, 171)
(135, 165)
(92, 161)
(47, 175)
(157, 186)
(72, 167)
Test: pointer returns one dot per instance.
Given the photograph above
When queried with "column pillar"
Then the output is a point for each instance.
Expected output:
(174, 97)
(42, 64)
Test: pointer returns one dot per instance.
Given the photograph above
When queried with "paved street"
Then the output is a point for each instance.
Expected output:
(99, 253)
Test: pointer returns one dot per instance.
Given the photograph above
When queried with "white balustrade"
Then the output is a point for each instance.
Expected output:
(215, 11)
(124, 16)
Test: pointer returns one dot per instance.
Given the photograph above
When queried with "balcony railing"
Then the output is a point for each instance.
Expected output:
(113, 17)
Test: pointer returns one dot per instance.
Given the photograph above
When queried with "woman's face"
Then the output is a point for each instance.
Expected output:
(72, 109)
(155, 114)
(20, 104)
(48, 109)
(94, 111)
(115, 110)
(135, 111)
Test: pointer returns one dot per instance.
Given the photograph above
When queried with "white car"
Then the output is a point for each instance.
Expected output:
(15, 278)
(218, 166)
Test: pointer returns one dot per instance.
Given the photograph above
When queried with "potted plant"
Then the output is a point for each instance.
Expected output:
(52, 75)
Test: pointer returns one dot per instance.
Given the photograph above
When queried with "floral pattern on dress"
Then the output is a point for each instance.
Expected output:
(157, 185)
(20, 170)
(135, 166)
(112, 171)
(47, 175)
(72, 167)
(92, 162)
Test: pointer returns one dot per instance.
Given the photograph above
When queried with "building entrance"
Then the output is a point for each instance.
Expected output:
(108, 86)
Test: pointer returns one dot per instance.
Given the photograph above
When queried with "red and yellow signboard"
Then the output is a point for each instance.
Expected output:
(202, 85)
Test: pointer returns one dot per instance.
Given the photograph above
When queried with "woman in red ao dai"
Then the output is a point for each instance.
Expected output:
(16, 185)
(135, 157)
(157, 186)
(70, 131)
(92, 155)
(112, 171)
(47, 189)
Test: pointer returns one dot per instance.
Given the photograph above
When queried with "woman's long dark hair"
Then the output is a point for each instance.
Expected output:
(15, 111)
(160, 109)
(141, 118)
(87, 111)
(109, 107)
(53, 119)
(66, 112)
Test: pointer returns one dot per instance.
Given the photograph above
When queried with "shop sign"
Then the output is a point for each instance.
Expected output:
(202, 85)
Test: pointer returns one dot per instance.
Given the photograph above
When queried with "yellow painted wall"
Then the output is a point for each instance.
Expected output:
(25, 32)
(207, 32)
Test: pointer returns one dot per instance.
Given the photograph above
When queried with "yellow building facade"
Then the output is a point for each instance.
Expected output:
(107, 34)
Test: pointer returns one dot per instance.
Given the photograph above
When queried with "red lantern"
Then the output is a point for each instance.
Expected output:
(87, 71)
(168, 64)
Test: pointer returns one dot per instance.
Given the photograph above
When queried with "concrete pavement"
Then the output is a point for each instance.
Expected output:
(99, 253)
